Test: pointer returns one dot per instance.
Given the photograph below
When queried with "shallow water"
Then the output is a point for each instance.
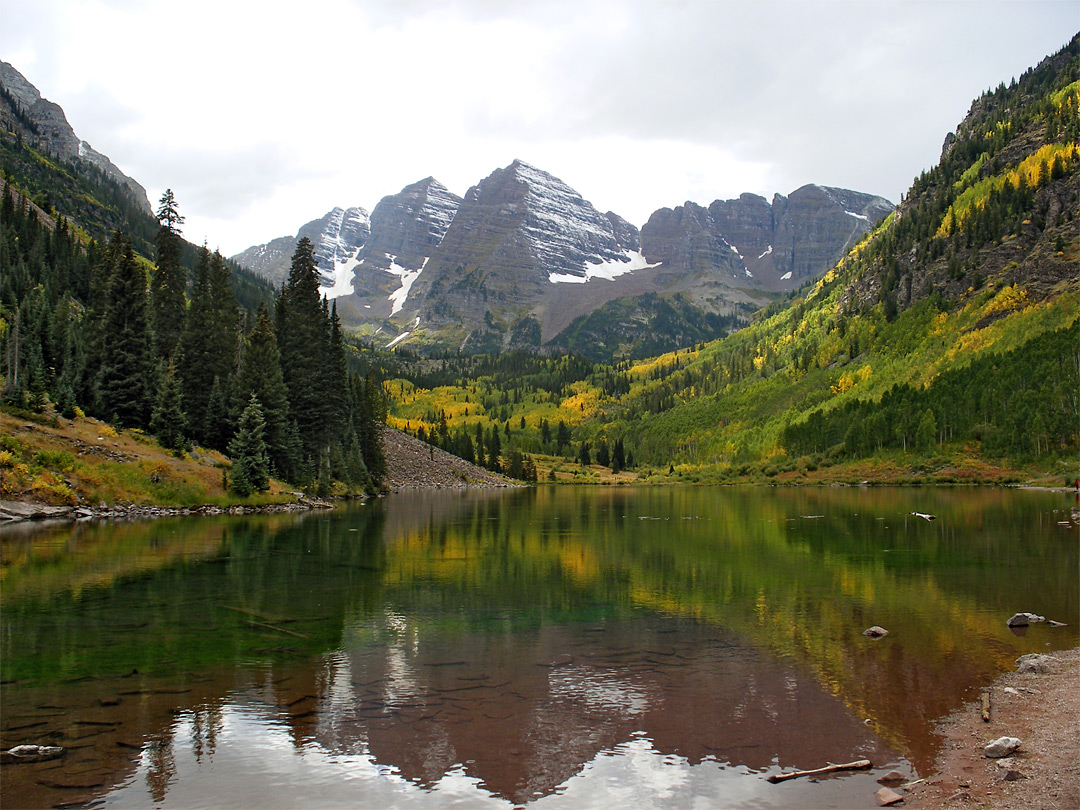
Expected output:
(556, 647)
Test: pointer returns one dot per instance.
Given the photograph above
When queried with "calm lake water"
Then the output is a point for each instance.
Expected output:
(551, 647)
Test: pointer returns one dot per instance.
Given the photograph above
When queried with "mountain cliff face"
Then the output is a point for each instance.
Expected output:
(337, 237)
(777, 246)
(524, 257)
(517, 234)
(44, 123)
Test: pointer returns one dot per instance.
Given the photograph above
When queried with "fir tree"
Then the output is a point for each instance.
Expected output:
(217, 424)
(250, 464)
(126, 368)
(260, 374)
(168, 421)
(169, 280)
(302, 331)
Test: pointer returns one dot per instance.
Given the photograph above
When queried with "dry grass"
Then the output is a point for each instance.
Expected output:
(48, 459)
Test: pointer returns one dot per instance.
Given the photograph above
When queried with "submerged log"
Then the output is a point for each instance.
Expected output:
(986, 705)
(857, 765)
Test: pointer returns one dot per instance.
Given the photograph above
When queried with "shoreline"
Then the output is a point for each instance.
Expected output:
(20, 512)
(1040, 709)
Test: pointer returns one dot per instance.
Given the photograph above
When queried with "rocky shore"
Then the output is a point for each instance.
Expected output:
(17, 511)
(1039, 705)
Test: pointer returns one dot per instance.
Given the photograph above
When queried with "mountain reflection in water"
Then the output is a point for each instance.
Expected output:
(563, 647)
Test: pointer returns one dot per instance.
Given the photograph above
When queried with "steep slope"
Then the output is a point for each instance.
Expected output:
(517, 233)
(336, 236)
(46, 126)
(950, 329)
(406, 229)
(49, 165)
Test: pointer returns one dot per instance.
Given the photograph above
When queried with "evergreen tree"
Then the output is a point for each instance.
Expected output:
(126, 369)
(209, 343)
(168, 421)
(603, 455)
(618, 457)
(562, 437)
(169, 280)
(356, 470)
(494, 450)
(583, 454)
(250, 464)
(260, 374)
(302, 332)
(218, 422)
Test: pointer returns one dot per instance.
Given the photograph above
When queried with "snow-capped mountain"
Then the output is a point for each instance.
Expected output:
(523, 256)
(337, 237)
(518, 233)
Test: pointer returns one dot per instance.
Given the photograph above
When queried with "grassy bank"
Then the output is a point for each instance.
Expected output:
(48, 459)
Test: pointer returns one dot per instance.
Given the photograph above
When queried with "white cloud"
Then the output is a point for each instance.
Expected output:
(262, 116)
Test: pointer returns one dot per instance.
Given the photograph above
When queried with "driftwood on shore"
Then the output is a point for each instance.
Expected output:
(857, 765)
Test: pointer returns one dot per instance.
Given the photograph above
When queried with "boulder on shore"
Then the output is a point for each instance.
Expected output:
(1034, 663)
(1002, 747)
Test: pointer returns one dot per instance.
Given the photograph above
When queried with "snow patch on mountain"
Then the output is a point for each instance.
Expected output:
(408, 278)
(863, 217)
(609, 269)
(766, 253)
(341, 276)
(397, 340)
(343, 234)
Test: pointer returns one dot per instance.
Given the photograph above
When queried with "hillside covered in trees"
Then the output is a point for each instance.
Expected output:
(93, 327)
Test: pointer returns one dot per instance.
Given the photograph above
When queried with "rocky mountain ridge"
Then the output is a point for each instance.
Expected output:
(45, 124)
(523, 256)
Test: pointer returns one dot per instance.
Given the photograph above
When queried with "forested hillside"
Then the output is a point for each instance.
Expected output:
(943, 347)
(89, 327)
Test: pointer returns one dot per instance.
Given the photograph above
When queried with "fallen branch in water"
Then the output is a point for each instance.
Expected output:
(857, 765)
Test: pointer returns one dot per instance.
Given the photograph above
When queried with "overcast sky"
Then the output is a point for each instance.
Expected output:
(264, 115)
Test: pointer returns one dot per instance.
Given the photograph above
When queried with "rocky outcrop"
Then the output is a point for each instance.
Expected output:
(516, 233)
(53, 134)
(775, 246)
(406, 229)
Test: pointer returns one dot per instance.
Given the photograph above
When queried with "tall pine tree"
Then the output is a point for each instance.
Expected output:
(260, 374)
(169, 280)
(126, 378)
(302, 332)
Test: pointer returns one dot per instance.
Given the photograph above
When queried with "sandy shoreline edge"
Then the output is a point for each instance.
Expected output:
(1042, 710)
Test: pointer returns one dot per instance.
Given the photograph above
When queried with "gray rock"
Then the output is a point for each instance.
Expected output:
(1024, 619)
(1034, 663)
(1002, 747)
(1053, 623)
(875, 632)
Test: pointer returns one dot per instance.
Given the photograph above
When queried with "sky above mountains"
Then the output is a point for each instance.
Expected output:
(262, 116)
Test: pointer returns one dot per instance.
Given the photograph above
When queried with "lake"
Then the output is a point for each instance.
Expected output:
(553, 647)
